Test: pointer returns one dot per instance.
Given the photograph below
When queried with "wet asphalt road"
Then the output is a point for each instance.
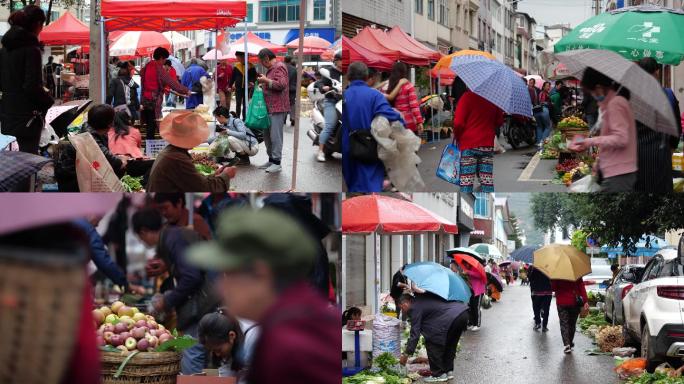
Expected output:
(508, 350)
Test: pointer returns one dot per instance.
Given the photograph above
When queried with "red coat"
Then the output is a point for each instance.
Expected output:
(567, 291)
(475, 121)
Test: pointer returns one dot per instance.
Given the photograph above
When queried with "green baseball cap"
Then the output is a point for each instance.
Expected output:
(245, 234)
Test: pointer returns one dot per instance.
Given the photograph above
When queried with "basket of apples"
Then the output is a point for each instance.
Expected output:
(135, 348)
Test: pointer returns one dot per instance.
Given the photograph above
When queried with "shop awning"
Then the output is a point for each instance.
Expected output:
(351, 52)
(402, 38)
(378, 41)
(172, 15)
(387, 215)
(67, 30)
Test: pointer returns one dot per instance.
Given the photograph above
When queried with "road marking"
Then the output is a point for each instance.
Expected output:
(526, 174)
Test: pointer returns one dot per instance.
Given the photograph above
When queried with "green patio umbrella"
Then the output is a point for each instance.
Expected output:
(633, 32)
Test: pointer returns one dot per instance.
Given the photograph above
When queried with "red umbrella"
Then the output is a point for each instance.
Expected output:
(138, 43)
(383, 214)
(472, 264)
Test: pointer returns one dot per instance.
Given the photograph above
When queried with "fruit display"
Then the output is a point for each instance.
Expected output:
(127, 329)
(204, 163)
(575, 173)
(567, 166)
(572, 122)
(553, 145)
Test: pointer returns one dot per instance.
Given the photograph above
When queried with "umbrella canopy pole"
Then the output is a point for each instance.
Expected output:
(376, 261)
(297, 112)
(103, 61)
(342, 283)
(246, 76)
(190, 204)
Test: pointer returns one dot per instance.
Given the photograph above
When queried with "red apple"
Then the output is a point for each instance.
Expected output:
(125, 311)
(125, 335)
(131, 343)
(141, 323)
(143, 345)
(120, 327)
(98, 316)
(152, 324)
(108, 336)
(138, 332)
(164, 337)
(153, 340)
(154, 332)
(116, 340)
(109, 328)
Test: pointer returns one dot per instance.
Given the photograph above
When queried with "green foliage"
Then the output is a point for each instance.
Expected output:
(579, 240)
(386, 362)
(655, 378)
(178, 344)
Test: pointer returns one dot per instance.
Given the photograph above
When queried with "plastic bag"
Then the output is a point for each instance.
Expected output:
(585, 185)
(257, 115)
(631, 367)
(93, 171)
(220, 147)
(449, 164)
(486, 302)
(386, 335)
(397, 149)
(624, 351)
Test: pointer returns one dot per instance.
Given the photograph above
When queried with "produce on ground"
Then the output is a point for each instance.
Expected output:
(610, 337)
(655, 378)
(631, 368)
(132, 184)
(385, 371)
(126, 328)
(552, 146)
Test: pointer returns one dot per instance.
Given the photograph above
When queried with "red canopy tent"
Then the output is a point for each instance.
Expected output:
(67, 30)
(351, 52)
(172, 15)
(377, 41)
(404, 40)
(256, 40)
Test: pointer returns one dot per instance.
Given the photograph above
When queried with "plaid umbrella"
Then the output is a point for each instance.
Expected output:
(494, 82)
(649, 102)
(17, 167)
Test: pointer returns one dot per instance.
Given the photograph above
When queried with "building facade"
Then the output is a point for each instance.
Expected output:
(357, 14)
(464, 28)
(433, 21)
(502, 226)
(526, 51)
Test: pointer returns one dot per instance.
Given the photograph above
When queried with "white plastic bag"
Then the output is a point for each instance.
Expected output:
(585, 185)
(397, 147)
(93, 171)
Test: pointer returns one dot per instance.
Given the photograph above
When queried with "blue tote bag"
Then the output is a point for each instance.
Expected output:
(449, 164)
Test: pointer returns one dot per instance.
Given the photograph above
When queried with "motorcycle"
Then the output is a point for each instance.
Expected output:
(317, 97)
(518, 130)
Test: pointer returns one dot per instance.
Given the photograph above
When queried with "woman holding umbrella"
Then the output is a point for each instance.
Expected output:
(473, 272)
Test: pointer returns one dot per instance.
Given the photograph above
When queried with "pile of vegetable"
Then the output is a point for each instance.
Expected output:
(595, 297)
(593, 323)
(552, 146)
(204, 163)
(132, 184)
(655, 378)
(610, 337)
(572, 122)
(385, 372)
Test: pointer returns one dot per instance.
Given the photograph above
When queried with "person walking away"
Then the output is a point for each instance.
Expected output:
(540, 288)
(191, 79)
(617, 143)
(556, 105)
(123, 139)
(237, 83)
(51, 69)
(361, 105)
(571, 298)
(230, 339)
(329, 105)
(190, 297)
(441, 323)
(292, 77)
(276, 93)
(406, 101)
(264, 278)
(399, 282)
(655, 149)
(154, 78)
(172, 208)
(541, 113)
(241, 140)
(223, 74)
(475, 124)
(25, 100)
(122, 93)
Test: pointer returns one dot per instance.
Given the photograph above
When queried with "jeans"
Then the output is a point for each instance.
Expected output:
(273, 137)
(543, 124)
(330, 113)
(541, 305)
(193, 358)
(171, 100)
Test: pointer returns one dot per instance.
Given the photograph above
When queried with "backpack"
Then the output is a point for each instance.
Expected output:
(259, 135)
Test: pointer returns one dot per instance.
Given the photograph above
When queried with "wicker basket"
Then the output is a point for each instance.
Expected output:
(145, 367)
(41, 295)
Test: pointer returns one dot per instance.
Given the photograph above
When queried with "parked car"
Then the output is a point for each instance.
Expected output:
(600, 272)
(652, 311)
(627, 276)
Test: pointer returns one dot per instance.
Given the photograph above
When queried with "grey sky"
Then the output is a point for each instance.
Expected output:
(549, 12)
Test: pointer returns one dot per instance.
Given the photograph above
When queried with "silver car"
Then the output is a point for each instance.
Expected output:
(627, 276)
(600, 272)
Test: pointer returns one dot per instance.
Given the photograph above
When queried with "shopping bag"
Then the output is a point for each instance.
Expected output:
(585, 185)
(449, 164)
(257, 115)
(93, 171)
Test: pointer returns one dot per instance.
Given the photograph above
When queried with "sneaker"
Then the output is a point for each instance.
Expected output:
(274, 168)
(264, 166)
(436, 379)
(243, 160)
(337, 156)
(475, 328)
(470, 327)
(321, 156)
(567, 349)
(546, 330)
(450, 375)
(537, 326)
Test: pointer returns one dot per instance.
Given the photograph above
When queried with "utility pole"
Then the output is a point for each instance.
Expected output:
(598, 7)
(95, 83)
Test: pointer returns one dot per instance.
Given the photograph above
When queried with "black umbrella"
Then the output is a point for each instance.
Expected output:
(61, 122)
(493, 279)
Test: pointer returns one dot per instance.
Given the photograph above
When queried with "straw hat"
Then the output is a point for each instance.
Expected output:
(184, 129)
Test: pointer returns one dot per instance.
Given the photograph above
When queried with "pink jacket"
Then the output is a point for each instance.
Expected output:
(618, 141)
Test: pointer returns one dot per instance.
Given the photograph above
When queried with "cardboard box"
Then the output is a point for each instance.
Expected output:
(205, 380)
(678, 161)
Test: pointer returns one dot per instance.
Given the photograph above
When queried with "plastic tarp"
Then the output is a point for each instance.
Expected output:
(378, 41)
(67, 30)
(398, 35)
(172, 15)
(351, 52)
(385, 215)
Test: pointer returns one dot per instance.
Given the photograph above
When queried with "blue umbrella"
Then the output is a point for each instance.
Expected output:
(439, 280)
(494, 82)
(524, 254)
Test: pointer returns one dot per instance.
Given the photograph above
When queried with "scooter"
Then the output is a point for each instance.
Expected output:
(518, 130)
(317, 97)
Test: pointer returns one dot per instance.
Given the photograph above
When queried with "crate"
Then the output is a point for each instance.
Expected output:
(153, 147)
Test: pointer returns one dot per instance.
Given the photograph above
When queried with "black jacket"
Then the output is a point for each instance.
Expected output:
(335, 74)
(21, 80)
(292, 75)
(538, 281)
(237, 79)
(431, 316)
(116, 92)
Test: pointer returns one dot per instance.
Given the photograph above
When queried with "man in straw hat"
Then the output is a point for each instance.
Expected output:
(173, 170)
(263, 279)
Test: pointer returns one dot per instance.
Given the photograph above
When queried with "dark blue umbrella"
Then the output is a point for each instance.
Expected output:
(524, 254)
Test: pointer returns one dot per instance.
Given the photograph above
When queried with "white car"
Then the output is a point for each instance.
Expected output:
(652, 311)
(600, 272)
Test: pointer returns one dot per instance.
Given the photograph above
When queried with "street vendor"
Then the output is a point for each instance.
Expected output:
(173, 170)
(441, 323)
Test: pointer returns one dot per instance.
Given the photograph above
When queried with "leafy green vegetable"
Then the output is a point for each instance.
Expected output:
(655, 378)
(132, 184)
(206, 170)
(178, 344)
(386, 362)
(109, 348)
(365, 377)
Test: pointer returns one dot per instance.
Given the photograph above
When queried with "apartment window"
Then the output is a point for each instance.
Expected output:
(250, 13)
(279, 11)
(419, 6)
(498, 43)
(443, 13)
(431, 9)
(319, 9)
(481, 204)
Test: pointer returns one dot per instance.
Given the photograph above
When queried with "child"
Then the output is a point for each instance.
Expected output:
(241, 140)
(353, 313)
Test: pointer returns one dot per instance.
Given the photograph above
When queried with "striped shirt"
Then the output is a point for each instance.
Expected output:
(406, 102)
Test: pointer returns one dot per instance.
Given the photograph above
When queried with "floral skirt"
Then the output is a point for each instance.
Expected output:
(477, 162)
